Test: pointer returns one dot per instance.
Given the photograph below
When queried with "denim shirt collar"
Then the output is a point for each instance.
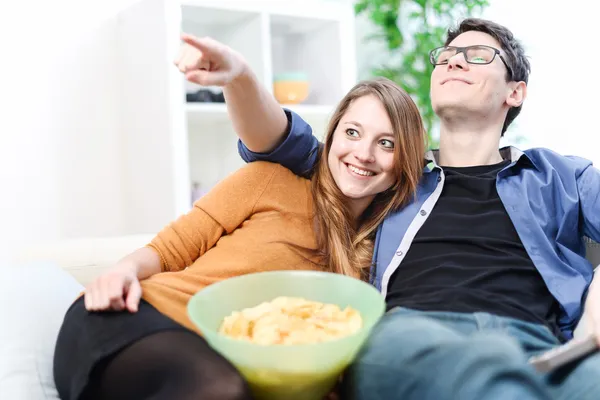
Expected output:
(515, 155)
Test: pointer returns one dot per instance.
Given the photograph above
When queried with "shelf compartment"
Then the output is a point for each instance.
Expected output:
(310, 46)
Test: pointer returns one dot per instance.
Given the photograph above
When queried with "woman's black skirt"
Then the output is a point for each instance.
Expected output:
(87, 339)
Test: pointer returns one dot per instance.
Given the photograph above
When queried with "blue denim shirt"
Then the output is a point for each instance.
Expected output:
(552, 200)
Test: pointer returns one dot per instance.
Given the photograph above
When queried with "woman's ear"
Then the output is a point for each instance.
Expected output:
(517, 94)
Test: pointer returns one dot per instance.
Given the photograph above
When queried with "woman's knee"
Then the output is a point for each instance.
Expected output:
(228, 386)
(170, 381)
(172, 365)
(185, 380)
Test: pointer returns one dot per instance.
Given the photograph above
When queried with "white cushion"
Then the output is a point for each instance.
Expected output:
(85, 258)
(33, 300)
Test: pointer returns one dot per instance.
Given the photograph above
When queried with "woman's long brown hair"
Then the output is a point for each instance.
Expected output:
(347, 247)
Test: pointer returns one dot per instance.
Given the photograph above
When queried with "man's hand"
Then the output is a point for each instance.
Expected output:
(209, 63)
(592, 309)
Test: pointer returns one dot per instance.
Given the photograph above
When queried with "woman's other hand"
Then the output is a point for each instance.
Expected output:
(116, 290)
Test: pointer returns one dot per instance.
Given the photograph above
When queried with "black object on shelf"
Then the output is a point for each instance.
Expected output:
(205, 96)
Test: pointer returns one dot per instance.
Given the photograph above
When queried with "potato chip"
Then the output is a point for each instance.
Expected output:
(291, 320)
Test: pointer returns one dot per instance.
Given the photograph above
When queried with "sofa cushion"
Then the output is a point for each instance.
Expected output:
(85, 258)
(33, 300)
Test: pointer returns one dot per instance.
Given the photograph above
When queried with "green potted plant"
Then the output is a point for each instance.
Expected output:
(429, 21)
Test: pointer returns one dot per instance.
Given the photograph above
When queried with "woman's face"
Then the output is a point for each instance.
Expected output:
(361, 158)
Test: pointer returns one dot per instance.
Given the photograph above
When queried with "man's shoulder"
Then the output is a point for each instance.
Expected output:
(549, 160)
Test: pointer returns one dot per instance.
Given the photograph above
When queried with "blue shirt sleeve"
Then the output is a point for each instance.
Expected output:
(588, 186)
(298, 152)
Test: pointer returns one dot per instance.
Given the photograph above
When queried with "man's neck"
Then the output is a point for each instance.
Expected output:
(467, 147)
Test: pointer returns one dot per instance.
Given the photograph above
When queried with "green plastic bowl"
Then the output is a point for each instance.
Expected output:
(291, 372)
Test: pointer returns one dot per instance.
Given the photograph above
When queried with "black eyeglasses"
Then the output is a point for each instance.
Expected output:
(478, 54)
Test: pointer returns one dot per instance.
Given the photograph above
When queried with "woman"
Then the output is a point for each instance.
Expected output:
(263, 217)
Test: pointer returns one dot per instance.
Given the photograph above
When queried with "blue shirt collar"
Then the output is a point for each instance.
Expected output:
(515, 155)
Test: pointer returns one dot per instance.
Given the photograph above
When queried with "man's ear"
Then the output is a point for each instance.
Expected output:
(517, 94)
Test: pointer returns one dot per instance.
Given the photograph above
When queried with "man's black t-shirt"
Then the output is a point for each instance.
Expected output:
(467, 257)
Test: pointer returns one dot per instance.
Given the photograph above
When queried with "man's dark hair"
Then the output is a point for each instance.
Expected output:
(514, 53)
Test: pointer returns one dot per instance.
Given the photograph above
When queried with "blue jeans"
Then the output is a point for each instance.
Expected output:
(439, 355)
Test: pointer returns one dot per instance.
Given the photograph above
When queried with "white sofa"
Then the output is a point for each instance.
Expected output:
(36, 291)
(84, 259)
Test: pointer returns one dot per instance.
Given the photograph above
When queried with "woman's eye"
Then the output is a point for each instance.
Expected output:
(352, 132)
(388, 144)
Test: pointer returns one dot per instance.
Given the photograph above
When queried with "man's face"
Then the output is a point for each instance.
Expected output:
(460, 88)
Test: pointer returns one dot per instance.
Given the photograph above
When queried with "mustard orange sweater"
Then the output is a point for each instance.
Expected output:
(257, 219)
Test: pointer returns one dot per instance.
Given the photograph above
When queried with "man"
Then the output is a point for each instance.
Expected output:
(487, 266)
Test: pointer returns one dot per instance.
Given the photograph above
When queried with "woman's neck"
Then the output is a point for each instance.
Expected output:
(358, 207)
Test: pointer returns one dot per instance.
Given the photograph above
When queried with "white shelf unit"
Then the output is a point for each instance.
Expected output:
(170, 143)
(275, 37)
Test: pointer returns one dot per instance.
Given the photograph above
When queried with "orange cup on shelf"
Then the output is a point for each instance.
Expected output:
(290, 88)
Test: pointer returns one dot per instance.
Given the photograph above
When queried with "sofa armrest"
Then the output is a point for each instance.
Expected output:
(85, 258)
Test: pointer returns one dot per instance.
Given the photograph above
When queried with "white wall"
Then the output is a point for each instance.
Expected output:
(60, 145)
(92, 120)
(561, 110)
(154, 169)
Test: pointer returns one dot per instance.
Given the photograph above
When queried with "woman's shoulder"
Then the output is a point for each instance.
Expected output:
(282, 183)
